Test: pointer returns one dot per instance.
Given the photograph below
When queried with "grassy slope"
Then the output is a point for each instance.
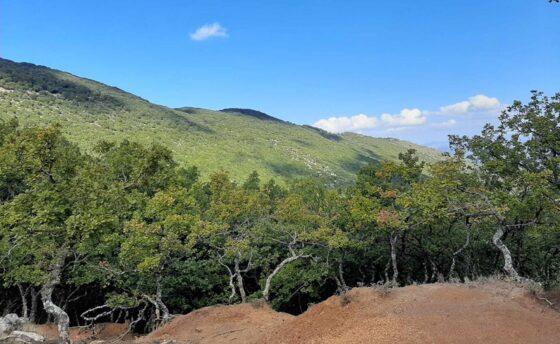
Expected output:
(212, 140)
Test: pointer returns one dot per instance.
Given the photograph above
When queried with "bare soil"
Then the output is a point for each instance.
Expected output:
(244, 323)
(101, 331)
(438, 313)
(491, 312)
(496, 312)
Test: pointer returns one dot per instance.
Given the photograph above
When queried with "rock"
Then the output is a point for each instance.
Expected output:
(10, 322)
(23, 337)
(97, 342)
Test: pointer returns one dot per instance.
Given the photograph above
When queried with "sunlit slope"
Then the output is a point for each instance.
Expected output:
(235, 140)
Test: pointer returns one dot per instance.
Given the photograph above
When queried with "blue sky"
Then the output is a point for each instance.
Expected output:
(412, 69)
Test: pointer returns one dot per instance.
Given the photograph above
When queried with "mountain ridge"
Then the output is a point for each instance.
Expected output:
(232, 139)
(253, 113)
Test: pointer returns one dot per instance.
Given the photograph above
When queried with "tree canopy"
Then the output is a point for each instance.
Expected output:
(144, 238)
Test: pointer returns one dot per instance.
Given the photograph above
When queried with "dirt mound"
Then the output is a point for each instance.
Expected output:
(438, 313)
(244, 323)
(495, 312)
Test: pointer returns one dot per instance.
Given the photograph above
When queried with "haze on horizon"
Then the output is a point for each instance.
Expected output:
(411, 70)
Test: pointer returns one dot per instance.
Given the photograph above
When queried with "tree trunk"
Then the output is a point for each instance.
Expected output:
(62, 319)
(393, 237)
(239, 277)
(343, 284)
(165, 316)
(23, 295)
(436, 274)
(386, 271)
(508, 262)
(231, 278)
(266, 291)
(452, 268)
(34, 305)
(231, 286)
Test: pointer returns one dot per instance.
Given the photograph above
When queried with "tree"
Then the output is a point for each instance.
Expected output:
(519, 166)
(441, 209)
(378, 188)
(155, 227)
(252, 184)
(164, 232)
(38, 241)
(299, 228)
(236, 211)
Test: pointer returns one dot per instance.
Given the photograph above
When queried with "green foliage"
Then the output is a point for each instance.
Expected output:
(237, 142)
(133, 229)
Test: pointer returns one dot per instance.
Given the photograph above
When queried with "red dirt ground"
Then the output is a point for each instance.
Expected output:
(438, 313)
(495, 313)
(245, 323)
(103, 331)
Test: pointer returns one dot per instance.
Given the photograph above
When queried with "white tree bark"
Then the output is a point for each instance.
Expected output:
(508, 261)
(165, 316)
(393, 237)
(239, 278)
(23, 295)
(62, 319)
(161, 311)
(341, 282)
(452, 268)
(266, 291)
(231, 278)
(34, 305)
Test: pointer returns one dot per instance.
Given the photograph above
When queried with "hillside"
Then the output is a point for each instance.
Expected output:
(236, 140)
(488, 312)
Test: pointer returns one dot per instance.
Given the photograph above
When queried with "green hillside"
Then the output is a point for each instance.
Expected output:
(236, 140)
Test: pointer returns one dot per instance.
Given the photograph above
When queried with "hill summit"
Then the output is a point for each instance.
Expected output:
(236, 140)
(252, 113)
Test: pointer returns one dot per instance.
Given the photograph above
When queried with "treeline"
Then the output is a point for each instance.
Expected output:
(125, 234)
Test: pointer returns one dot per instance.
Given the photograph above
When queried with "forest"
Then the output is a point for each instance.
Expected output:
(126, 234)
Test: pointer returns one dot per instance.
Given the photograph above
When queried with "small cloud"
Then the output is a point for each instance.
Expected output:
(208, 31)
(342, 124)
(447, 124)
(361, 122)
(406, 117)
(476, 103)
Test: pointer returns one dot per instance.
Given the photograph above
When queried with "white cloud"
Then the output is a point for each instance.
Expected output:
(342, 124)
(476, 103)
(447, 124)
(208, 31)
(410, 118)
(406, 117)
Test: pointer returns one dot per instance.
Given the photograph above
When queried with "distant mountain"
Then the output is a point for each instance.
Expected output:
(236, 140)
(252, 113)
